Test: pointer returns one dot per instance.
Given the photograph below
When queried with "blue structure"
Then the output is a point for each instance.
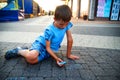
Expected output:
(14, 10)
(9, 12)
(27, 5)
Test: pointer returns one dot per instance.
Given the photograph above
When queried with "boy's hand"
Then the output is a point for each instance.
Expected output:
(73, 57)
(58, 61)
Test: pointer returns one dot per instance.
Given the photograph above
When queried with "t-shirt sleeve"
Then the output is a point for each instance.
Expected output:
(48, 35)
(69, 26)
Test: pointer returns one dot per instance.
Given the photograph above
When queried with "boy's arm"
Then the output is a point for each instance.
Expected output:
(69, 46)
(52, 53)
(69, 43)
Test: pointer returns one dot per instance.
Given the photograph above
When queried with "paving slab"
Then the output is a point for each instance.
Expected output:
(94, 64)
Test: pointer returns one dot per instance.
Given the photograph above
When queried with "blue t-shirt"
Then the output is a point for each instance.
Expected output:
(54, 35)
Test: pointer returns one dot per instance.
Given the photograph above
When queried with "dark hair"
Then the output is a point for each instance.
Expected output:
(63, 12)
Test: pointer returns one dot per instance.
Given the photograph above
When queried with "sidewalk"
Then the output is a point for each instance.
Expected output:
(94, 21)
(95, 63)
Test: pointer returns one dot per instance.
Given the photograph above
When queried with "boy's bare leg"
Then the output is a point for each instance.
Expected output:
(30, 56)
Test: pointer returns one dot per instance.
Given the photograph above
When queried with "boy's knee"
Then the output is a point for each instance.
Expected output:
(32, 55)
(32, 61)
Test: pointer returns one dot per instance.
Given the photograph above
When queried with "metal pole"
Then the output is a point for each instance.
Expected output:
(23, 4)
(78, 8)
(91, 9)
(71, 5)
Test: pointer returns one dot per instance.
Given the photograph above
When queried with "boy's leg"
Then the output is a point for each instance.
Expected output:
(30, 56)
(33, 56)
(13, 52)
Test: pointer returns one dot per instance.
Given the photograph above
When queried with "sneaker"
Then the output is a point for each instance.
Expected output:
(13, 53)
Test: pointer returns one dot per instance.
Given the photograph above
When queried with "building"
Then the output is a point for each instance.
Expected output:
(27, 8)
(95, 9)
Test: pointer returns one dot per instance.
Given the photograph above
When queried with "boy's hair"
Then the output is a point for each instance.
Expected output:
(63, 12)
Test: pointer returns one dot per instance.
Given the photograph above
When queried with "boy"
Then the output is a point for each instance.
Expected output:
(47, 44)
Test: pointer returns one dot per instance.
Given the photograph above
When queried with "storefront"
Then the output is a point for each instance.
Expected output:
(115, 11)
(79, 7)
(96, 9)
(108, 9)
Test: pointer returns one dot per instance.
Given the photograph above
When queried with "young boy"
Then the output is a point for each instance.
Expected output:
(47, 44)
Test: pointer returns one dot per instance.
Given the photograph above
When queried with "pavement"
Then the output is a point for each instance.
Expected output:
(95, 42)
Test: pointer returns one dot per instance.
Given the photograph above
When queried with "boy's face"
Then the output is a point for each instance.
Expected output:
(60, 23)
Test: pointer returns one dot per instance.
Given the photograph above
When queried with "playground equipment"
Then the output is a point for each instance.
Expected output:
(15, 10)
